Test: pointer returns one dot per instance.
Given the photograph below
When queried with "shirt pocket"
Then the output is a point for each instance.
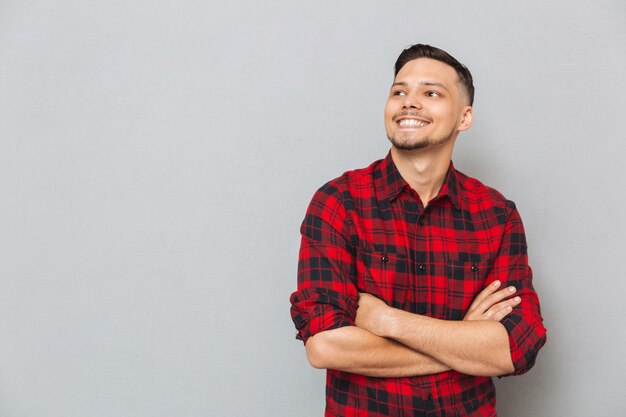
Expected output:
(465, 280)
(383, 275)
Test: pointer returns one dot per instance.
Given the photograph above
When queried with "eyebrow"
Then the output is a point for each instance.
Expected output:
(426, 83)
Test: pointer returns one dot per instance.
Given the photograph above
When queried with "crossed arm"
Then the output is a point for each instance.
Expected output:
(387, 342)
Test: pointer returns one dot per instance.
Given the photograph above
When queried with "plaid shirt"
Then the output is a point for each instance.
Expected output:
(368, 231)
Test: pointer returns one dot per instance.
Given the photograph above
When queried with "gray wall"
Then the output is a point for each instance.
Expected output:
(156, 159)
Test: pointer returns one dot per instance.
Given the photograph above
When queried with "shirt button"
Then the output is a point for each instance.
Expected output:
(421, 221)
(422, 267)
(385, 259)
(429, 396)
(421, 311)
(474, 268)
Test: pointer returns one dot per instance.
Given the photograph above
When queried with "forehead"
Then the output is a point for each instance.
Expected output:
(426, 69)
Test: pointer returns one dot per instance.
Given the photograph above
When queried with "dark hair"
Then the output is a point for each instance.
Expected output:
(426, 51)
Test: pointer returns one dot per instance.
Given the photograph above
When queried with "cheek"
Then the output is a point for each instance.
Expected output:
(387, 121)
(390, 110)
(446, 115)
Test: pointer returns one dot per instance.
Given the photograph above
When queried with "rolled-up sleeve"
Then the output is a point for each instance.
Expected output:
(326, 297)
(524, 324)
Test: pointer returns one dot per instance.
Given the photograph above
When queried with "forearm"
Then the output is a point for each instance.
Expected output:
(470, 347)
(356, 350)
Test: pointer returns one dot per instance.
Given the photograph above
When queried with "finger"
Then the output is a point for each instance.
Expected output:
(502, 313)
(486, 292)
(364, 296)
(501, 310)
(366, 299)
(495, 298)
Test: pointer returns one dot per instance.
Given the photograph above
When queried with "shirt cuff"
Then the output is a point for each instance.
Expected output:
(525, 340)
(314, 310)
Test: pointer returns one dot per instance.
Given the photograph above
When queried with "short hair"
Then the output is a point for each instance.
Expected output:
(426, 51)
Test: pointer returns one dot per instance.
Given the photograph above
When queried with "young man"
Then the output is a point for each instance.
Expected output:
(413, 282)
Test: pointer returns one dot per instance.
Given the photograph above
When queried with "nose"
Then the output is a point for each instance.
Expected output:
(411, 101)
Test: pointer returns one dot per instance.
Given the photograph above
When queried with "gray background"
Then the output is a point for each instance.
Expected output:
(157, 157)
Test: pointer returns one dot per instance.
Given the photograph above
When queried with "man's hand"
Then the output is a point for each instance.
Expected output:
(488, 304)
(476, 345)
(371, 314)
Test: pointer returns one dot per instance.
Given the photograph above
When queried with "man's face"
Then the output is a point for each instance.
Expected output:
(426, 106)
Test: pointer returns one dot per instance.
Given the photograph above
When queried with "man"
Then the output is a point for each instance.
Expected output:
(413, 282)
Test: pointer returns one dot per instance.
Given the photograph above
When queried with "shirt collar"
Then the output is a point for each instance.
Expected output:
(393, 183)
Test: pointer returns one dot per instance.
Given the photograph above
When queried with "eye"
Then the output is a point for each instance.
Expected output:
(432, 94)
(399, 93)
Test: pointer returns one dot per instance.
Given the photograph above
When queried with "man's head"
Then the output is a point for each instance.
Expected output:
(430, 100)
(426, 51)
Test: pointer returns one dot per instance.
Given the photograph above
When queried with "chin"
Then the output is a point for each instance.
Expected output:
(409, 144)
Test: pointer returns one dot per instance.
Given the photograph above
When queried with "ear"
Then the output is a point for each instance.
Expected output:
(467, 117)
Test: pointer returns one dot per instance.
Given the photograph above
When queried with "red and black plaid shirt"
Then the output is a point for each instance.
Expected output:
(368, 231)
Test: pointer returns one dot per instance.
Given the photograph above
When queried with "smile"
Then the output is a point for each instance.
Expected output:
(412, 123)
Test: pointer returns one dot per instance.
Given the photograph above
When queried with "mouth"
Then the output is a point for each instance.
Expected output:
(412, 123)
(411, 120)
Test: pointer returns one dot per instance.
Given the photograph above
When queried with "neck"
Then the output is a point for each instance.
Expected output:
(424, 170)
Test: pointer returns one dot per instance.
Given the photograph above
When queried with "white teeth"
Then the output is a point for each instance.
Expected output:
(412, 122)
